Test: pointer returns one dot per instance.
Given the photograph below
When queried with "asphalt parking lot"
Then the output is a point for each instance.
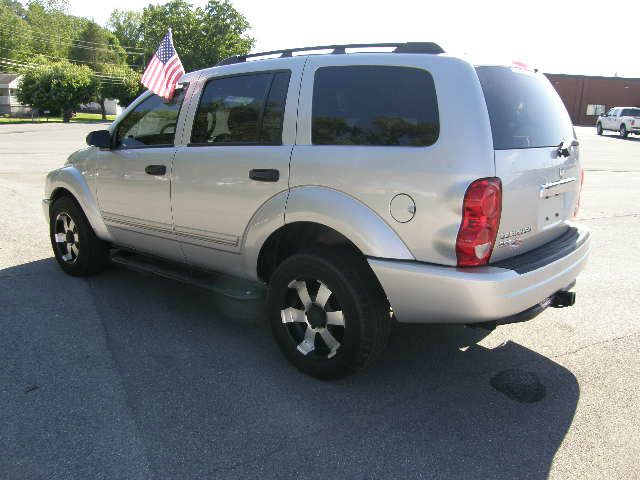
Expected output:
(128, 376)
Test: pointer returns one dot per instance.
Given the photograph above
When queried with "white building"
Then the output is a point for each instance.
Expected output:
(8, 101)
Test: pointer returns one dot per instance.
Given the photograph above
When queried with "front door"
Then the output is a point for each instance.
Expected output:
(609, 121)
(237, 158)
(134, 178)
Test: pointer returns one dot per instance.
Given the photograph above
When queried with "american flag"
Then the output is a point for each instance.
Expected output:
(164, 69)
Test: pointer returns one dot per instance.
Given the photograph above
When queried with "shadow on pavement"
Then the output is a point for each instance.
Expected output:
(628, 139)
(123, 375)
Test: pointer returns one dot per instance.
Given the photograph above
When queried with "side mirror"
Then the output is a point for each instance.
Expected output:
(99, 138)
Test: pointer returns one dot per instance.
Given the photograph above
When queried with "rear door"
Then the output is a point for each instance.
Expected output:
(606, 119)
(536, 157)
(614, 120)
(237, 158)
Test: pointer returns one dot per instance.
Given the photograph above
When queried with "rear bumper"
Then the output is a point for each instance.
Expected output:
(425, 293)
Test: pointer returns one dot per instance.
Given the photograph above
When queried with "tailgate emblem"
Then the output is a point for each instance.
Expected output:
(513, 238)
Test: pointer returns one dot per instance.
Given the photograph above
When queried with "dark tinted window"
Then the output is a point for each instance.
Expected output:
(271, 131)
(152, 122)
(631, 112)
(232, 109)
(374, 105)
(524, 109)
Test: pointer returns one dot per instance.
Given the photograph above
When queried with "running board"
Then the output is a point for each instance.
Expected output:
(228, 286)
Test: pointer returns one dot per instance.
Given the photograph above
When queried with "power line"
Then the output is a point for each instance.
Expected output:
(79, 61)
(99, 76)
(76, 43)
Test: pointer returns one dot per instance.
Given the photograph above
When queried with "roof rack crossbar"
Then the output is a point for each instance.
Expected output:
(405, 47)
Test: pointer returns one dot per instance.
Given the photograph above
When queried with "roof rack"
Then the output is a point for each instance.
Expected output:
(406, 47)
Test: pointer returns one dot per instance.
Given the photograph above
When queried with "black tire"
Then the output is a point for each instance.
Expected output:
(623, 131)
(79, 252)
(599, 128)
(353, 290)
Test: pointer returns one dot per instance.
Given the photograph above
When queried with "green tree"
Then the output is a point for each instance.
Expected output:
(15, 6)
(125, 89)
(58, 87)
(53, 29)
(202, 36)
(225, 31)
(15, 35)
(99, 49)
(96, 46)
(126, 26)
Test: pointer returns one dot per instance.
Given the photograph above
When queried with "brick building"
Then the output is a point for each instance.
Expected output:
(586, 97)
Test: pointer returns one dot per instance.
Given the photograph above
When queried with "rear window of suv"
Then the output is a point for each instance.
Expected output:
(524, 109)
(374, 105)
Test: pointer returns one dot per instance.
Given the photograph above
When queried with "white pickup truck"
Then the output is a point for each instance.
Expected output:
(625, 120)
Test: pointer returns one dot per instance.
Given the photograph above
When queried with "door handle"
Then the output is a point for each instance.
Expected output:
(155, 169)
(264, 174)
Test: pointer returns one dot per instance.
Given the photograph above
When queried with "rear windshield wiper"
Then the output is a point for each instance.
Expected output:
(563, 148)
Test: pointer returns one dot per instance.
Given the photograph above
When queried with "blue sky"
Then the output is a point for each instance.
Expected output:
(561, 36)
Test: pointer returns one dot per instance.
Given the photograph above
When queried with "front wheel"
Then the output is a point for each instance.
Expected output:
(599, 129)
(623, 131)
(75, 245)
(328, 313)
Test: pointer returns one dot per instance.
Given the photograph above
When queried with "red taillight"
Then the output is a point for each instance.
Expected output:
(480, 220)
(575, 212)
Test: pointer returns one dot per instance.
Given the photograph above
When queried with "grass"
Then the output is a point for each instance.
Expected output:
(79, 118)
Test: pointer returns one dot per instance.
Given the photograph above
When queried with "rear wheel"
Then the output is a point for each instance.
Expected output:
(328, 313)
(599, 129)
(75, 245)
(623, 131)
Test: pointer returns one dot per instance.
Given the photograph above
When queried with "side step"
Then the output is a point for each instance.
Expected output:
(225, 285)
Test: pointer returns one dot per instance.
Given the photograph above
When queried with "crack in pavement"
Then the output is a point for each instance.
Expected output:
(612, 170)
(604, 217)
(595, 344)
(357, 419)
(119, 371)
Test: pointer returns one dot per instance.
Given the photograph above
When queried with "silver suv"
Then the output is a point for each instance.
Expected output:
(363, 188)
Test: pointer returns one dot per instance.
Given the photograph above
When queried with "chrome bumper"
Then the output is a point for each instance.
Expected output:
(425, 293)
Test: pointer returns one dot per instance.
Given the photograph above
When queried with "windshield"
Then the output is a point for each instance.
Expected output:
(524, 109)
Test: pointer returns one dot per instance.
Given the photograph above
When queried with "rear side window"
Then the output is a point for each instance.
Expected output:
(244, 109)
(524, 109)
(374, 105)
(631, 112)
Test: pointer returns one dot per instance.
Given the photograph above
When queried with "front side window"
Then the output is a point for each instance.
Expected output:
(374, 105)
(151, 123)
(244, 109)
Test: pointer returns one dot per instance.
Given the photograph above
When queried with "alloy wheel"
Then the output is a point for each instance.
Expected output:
(314, 318)
(66, 238)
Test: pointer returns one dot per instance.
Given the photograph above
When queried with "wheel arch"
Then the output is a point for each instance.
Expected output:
(319, 217)
(68, 181)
